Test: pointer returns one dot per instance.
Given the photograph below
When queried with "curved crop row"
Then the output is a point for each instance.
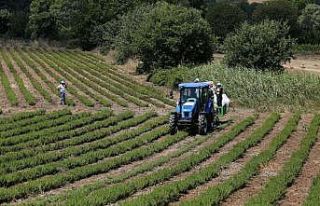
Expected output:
(21, 116)
(115, 192)
(213, 195)
(49, 120)
(60, 140)
(172, 190)
(30, 99)
(26, 152)
(54, 181)
(82, 149)
(276, 186)
(33, 63)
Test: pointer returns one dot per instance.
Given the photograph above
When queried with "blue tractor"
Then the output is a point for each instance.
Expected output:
(195, 108)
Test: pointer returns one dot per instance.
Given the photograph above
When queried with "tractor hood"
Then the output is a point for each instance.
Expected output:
(187, 108)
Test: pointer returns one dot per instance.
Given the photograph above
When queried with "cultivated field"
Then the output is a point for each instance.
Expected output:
(112, 145)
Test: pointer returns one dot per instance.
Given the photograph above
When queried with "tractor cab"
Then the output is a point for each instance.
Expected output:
(194, 108)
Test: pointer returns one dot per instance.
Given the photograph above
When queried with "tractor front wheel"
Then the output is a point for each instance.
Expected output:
(173, 124)
(203, 124)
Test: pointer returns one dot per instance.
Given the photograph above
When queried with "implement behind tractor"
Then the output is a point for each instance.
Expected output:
(195, 108)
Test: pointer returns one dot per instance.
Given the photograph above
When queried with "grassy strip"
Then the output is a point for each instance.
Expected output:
(30, 99)
(82, 149)
(12, 97)
(67, 138)
(121, 78)
(82, 84)
(24, 153)
(21, 116)
(213, 195)
(172, 190)
(36, 124)
(46, 95)
(115, 192)
(126, 93)
(276, 186)
(306, 49)
(90, 157)
(50, 182)
(313, 198)
(33, 62)
(84, 99)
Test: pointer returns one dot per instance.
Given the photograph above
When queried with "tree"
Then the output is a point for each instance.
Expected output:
(278, 10)
(224, 18)
(170, 35)
(262, 46)
(309, 22)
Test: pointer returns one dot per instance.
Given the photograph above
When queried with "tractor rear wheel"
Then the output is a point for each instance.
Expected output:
(173, 124)
(203, 124)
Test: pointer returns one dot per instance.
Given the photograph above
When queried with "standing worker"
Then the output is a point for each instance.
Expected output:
(62, 92)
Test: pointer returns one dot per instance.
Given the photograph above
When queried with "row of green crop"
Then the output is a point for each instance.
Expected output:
(24, 152)
(67, 71)
(115, 192)
(313, 198)
(11, 95)
(30, 99)
(53, 119)
(213, 195)
(49, 65)
(85, 68)
(122, 79)
(65, 138)
(105, 83)
(34, 62)
(35, 83)
(88, 157)
(146, 166)
(172, 190)
(53, 181)
(276, 186)
(21, 116)
(81, 84)
(47, 157)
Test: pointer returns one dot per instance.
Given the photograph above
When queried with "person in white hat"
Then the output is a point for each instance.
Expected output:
(62, 92)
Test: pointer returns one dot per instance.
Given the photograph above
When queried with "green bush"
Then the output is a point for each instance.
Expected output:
(167, 36)
(224, 18)
(262, 46)
(309, 22)
(278, 10)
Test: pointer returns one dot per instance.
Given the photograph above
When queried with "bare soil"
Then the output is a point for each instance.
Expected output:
(305, 63)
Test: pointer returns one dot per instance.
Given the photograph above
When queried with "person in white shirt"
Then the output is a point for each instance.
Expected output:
(62, 92)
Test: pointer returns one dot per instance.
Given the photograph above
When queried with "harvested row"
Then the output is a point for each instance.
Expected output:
(32, 62)
(172, 190)
(121, 190)
(217, 193)
(30, 99)
(54, 181)
(276, 186)
(82, 149)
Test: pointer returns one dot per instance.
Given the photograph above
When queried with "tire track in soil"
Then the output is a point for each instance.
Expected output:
(237, 165)
(298, 192)
(226, 148)
(272, 168)
(21, 101)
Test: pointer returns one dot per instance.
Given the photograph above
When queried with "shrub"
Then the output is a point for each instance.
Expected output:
(167, 36)
(309, 22)
(279, 10)
(224, 18)
(262, 46)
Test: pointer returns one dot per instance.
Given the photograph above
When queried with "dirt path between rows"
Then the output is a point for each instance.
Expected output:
(298, 192)
(272, 168)
(237, 165)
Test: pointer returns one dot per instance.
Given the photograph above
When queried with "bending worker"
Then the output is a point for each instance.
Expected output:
(62, 92)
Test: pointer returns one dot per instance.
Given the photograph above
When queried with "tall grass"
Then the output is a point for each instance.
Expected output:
(254, 89)
(306, 49)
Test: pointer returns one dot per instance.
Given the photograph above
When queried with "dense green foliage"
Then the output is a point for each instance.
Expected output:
(309, 22)
(261, 46)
